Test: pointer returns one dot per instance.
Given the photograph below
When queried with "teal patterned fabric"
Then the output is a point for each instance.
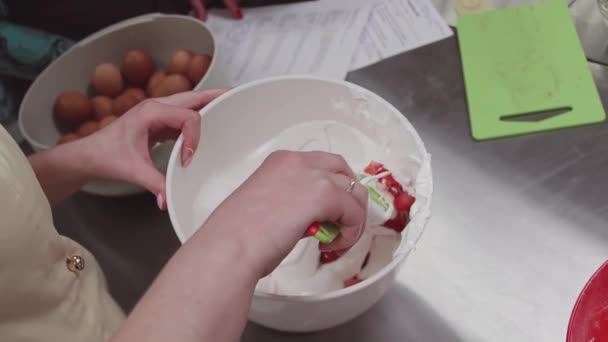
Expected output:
(24, 53)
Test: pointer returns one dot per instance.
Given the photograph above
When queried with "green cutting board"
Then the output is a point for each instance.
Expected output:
(525, 71)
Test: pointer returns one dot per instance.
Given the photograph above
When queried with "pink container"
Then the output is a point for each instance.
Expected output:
(589, 319)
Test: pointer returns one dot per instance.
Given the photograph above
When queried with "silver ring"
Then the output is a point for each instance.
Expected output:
(351, 186)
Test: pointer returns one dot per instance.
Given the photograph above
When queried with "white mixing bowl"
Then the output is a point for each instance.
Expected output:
(247, 123)
(158, 34)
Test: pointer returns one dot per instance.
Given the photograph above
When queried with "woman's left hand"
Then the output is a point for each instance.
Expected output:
(121, 151)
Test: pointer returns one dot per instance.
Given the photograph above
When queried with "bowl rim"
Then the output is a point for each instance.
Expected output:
(399, 256)
(90, 39)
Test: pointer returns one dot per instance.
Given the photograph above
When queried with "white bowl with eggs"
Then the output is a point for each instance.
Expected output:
(243, 126)
(159, 35)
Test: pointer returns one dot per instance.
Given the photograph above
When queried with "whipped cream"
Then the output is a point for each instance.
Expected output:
(300, 273)
(357, 148)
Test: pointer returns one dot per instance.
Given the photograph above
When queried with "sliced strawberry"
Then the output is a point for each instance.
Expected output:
(390, 181)
(391, 185)
(398, 223)
(352, 281)
(404, 202)
(327, 257)
(374, 168)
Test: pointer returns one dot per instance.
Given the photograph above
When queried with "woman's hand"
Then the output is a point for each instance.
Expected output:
(205, 291)
(121, 151)
(270, 211)
(200, 9)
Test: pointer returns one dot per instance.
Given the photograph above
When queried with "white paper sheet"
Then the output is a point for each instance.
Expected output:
(397, 26)
(293, 39)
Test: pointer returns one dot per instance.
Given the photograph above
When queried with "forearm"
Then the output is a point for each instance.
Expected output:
(61, 170)
(203, 294)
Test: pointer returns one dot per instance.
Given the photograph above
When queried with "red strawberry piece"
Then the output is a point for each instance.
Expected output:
(403, 202)
(374, 168)
(352, 281)
(389, 181)
(391, 185)
(327, 257)
(395, 191)
(398, 223)
(313, 229)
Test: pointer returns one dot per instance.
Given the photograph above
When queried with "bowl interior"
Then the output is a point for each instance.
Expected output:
(160, 35)
(295, 113)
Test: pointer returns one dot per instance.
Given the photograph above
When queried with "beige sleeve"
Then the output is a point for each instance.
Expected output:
(43, 295)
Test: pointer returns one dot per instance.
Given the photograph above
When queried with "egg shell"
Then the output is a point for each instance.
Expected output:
(106, 121)
(107, 80)
(180, 60)
(68, 137)
(199, 64)
(72, 108)
(172, 84)
(154, 80)
(102, 106)
(137, 67)
(88, 128)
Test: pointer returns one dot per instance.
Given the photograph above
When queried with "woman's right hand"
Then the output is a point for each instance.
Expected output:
(271, 210)
(205, 291)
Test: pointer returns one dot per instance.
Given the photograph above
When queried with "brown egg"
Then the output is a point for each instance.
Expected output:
(87, 128)
(155, 79)
(106, 121)
(107, 80)
(72, 108)
(170, 85)
(137, 93)
(199, 64)
(66, 138)
(180, 61)
(120, 105)
(102, 106)
(137, 67)
(123, 103)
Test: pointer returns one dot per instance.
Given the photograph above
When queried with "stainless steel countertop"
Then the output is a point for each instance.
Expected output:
(518, 224)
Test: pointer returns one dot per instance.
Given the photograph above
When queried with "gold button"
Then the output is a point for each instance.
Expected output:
(75, 263)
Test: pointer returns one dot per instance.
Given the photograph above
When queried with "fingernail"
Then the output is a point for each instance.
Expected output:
(187, 156)
(160, 201)
(238, 14)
